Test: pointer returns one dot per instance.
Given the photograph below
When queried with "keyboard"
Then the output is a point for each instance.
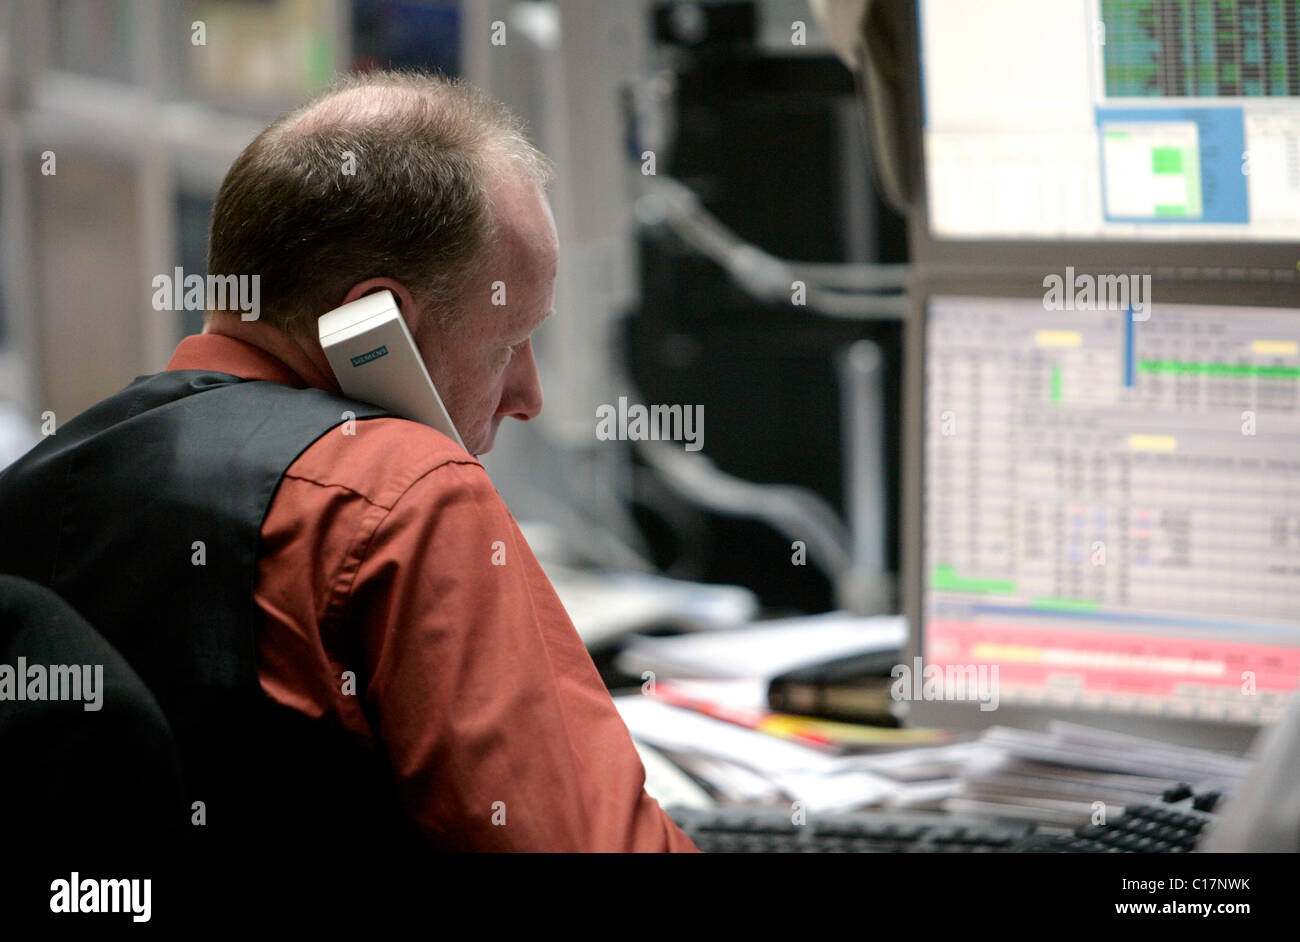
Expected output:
(1173, 827)
(1176, 825)
(746, 830)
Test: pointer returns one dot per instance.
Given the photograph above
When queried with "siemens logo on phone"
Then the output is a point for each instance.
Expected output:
(375, 354)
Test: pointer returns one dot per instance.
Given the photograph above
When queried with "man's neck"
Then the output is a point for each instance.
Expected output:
(300, 353)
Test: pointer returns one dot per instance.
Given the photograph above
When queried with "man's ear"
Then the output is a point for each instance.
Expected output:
(405, 300)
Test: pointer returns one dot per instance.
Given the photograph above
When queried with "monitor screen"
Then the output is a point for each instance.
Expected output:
(1112, 505)
(1112, 119)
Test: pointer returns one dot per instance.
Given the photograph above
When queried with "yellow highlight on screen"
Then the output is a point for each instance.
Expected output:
(1005, 653)
(1058, 338)
(1282, 347)
(1152, 442)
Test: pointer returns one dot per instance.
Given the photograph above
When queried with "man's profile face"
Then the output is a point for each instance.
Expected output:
(483, 365)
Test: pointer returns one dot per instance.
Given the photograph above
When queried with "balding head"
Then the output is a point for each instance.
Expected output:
(356, 107)
(384, 175)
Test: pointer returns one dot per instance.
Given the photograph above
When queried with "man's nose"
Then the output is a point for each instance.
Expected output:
(522, 397)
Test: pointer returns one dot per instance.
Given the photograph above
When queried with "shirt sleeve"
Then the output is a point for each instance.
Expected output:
(497, 725)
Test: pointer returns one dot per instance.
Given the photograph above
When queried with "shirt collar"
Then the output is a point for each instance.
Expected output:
(224, 354)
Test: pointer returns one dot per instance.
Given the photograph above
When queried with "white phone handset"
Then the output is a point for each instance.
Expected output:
(375, 360)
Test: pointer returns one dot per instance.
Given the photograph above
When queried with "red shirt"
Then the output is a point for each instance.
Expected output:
(388, 553)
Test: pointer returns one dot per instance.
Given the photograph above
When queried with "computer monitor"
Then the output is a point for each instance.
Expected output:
(1104, 504)
(1111, 120)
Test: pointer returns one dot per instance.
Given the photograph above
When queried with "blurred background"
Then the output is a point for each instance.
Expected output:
(706, 152)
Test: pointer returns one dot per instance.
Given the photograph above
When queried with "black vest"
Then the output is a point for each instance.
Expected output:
(145, 514)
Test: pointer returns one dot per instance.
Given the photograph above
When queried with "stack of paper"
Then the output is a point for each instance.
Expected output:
(1069, 773)
(749, 766)
(731, 669)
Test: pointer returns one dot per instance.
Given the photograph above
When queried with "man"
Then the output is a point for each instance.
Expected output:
(395, 608)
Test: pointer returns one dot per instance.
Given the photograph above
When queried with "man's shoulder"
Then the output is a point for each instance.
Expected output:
(379, 459)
